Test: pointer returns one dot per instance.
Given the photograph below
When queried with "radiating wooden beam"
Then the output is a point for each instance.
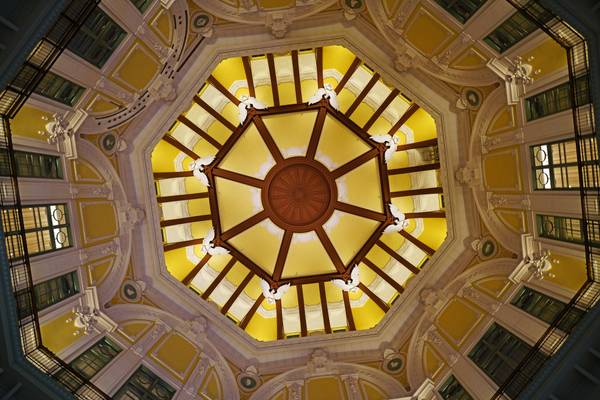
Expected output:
(355, 64)
(417, 192)
(284, 248)
(381, 109)
(213, 285)
(407, 114)
(237, 292)
(391, 281)
(192, 274)
(426, 214)
(428, 250)
(362, 95)
(181, 147)
(417, 145)
(360, 211)
(279, 314)
(242, 226)
(179, 245)
(355, 163)
(297, 82)
(324, 309)
(172, 175)
(184, 120)
(331, 251)
(217, 115)
(316, 133)
(374, 297)
(236, 177)
(273, 76)
(224, 91)
(252, 311)
(182, 197)
(249, 78)
(185, 220)
(268, 139)
(319, 62)
(302, 310)
(398, 257)
(348, 308)
(414, 168)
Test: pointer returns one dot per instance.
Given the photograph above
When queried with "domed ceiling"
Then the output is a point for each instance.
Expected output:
(317, 225)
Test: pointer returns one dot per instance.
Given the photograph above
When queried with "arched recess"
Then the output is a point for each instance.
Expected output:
(122, 243)
(121, 313)
(491, 268)
(509, 238)
(352, 373)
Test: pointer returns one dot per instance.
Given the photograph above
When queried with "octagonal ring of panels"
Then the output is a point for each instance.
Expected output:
(299, 193)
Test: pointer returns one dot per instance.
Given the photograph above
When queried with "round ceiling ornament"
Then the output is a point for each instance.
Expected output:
(249, 380)
(485, 247)
(131, 291)
(202, 23)
(393, 362)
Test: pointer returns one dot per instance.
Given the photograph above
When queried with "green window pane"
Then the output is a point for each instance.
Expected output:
(32, 165)
(54, 290)
(453, 390)
(557, 99)
(462, 10)
(145, 384)
(91, 361)
(60, 89)
(97, 39)
(142, 5)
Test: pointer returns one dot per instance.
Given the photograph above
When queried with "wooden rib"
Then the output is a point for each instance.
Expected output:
(348, 308)
(319, 60)
(302, 310)
(252, 311)
(381, 109)
(219, 278)
(249, 79)
(192, 274)
(171, 175)
(414, 168)
(181, 147)
(214, 113)
(186, 220)
(268, 139)
(361, 212)
(199, 131)
(316, 133)
(417, 243)
(362, 95)
(279, 314)
(237, 292)
(242, 226)
(355, 64)
(179, 245)
(297, 82)
(284, 248)
(273, 76)
(392, 282)
(331, 252)
(374, 297)
(182, 197)
(417, 192)
(398, 257)
(427, 214)
(236, 177)
(407, 114)
(355, 163)
(324, 310)
(224, 91)
(417, 145)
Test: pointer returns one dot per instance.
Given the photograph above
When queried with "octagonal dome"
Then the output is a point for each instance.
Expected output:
(299, 193)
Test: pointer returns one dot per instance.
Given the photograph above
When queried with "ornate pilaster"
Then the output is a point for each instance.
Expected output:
(352, 386)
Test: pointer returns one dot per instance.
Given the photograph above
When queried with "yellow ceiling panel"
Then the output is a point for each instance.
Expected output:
(217, 262)
(287, 93)
(309, 88)
(338, 58)
(177, 263)
(306, 257)
(261, 328)
(399, 182)
(367, 316)
(422, 125)
(333, 293)
(393, 239)
(200, 228)
(311, 294)
(163, 157)
(249, 155)
(253, 288)
(470, 59)
(291, 141)
(349, 234)
(290, 300)
(237, 274)
(193, 185)
(548, 57)
(434, 232)
(405, 204)
(229, 70)
(328, 387)
(261, 244)
(198, 207)
(363, 186)
(361, 115)
(264, 93)
(345, 99)
(367, 275)
(428, 34)
(329, 151)
(237, 202)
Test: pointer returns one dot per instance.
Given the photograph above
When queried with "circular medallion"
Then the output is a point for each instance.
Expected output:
(299, 194)
(201, 22)
(471, 98)
(393, 363)
(131, 291)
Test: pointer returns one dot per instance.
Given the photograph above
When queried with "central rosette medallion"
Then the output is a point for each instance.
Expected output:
(300, 194)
